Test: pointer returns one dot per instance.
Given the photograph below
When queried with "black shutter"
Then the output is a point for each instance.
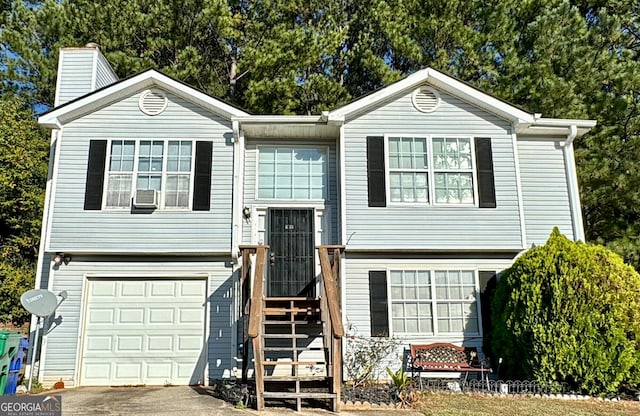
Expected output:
(95, 175)
(488, 281)
(378, 304)
(202, 180)
(375, 171)
(486, 184)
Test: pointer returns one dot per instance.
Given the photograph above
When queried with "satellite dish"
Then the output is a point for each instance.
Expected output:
(39, 302)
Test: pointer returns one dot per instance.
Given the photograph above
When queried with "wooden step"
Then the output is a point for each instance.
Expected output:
(301, 379)
(272, 363)
(299, 322)
(288, 349)
(291, 298)
(301, 395)
(283, 311)
(286, 336)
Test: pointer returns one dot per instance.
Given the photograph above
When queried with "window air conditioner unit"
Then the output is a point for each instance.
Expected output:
(146, 199)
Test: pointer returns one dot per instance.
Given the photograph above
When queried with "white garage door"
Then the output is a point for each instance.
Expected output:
(141, 331)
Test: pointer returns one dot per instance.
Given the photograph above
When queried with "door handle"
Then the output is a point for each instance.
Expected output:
(272, 259)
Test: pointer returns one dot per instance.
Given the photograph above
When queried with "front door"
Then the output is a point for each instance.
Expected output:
(292, 252)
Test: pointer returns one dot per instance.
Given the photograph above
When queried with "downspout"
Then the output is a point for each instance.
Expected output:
(516, 159)
(46, 215)
(238, 190)
(572, 184)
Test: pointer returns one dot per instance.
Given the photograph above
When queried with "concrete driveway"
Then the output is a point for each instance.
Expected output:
(143, 401)
(175, 400)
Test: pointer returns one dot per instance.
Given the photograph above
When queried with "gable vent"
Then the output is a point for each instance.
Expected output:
(425, 99)
(153, 102)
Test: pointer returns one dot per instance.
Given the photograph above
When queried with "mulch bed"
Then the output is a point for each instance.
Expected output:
(374, 394)
(236, 393)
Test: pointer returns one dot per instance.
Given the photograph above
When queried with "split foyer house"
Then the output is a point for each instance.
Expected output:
(180, 217)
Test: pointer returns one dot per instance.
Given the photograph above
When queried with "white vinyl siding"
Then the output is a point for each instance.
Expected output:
(63, 347)
(356, 291)
(434, 301)
(74, 229)
(545, 193)
(292, 172)
(422, 226)
(104, 73)
(75, 74)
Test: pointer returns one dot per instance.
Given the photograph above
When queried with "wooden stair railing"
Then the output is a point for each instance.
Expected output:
(280, 320)
(330, 268)
(252, 307)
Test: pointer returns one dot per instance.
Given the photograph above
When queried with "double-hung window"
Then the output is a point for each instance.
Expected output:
(452, 170)
(165, 166)
(408, 169)
(430, 170)
(434, 302)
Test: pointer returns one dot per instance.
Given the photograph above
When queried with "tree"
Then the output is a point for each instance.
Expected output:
(23, 173)
(569, 312)
(565, 58)
(24, 152)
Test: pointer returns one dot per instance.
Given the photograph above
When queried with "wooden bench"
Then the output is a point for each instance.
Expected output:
(445, 357)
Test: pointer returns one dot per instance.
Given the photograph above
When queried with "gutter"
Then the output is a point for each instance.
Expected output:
(572, 184)
(42, 253)
(238, 190)
(516, 158)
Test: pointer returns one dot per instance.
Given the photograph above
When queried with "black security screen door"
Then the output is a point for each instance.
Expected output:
(291, 258)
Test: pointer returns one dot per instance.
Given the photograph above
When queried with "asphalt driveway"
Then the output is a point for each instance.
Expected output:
(175, 400)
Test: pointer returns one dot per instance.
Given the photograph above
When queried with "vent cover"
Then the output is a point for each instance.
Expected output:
(425, 99)
(153, 102)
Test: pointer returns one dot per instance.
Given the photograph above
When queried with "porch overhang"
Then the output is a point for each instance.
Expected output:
(288, 127)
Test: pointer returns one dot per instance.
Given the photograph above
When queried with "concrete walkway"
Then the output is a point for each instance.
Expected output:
(178, 400)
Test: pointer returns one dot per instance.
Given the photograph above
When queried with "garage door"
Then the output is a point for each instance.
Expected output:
(141, 331)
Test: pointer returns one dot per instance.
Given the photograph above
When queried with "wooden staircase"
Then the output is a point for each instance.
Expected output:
(296, 341)
(293, 355)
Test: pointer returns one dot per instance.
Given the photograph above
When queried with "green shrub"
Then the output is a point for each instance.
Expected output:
(569, 312)
(14, 281)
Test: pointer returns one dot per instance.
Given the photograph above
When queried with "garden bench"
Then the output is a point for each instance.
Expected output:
(445, 357)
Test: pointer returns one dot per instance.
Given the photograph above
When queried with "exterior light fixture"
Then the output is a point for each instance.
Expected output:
(60, 258)
(246, 213)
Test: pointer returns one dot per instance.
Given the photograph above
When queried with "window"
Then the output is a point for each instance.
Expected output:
(434, 301)
(120, 176)
(292, 173)
(163, 165)
(429, 169)
(178, 174)
(453, 170)
(408, 169)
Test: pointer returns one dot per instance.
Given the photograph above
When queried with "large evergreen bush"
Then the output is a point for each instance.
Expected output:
(569, 312)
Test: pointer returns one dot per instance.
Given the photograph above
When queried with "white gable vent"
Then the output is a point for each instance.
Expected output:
(425, 99)
(153, 102)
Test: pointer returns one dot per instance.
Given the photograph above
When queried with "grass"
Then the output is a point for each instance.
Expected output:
(443, 404)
